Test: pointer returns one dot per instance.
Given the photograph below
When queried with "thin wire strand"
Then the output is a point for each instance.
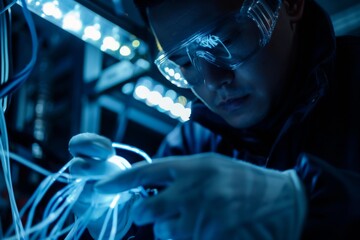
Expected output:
(4, 146)
(133, 149)
(4, 55)
(58, 208)
(64, 177)
(8, 7)
(22, 76)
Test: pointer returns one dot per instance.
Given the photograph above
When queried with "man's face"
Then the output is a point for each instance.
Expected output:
(244, 96)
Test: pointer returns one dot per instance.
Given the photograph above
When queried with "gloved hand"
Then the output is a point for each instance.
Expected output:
(94, 159)
(211, 196)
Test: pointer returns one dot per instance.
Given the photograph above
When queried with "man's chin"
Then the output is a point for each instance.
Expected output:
(243, 121)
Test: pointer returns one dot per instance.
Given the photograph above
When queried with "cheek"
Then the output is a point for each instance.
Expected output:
(206, 96)
(270, 68)
(261, 76)
(267, 85)
(275, 60)
(201, 93)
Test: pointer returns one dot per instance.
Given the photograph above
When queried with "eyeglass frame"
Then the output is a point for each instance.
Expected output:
(252, 9)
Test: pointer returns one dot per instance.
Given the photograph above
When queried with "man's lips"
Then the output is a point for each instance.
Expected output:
(233, 103)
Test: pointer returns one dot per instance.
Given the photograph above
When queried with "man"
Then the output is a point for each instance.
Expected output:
(272, 150)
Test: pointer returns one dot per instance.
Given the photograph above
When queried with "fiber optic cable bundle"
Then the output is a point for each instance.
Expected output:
(10, 84)
(75, 207)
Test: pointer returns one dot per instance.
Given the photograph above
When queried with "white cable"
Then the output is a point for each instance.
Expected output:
(108, 215)
(4, 55)
(114, 220)
(4, 147)
(70, 196)
(81, 223)
(133, 149)
(64, 177)
(21, 76)
(7, 7)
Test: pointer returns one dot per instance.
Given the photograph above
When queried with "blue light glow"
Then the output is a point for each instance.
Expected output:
(90, 27)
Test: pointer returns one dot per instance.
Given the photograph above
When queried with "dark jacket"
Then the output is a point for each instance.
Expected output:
(316, 131)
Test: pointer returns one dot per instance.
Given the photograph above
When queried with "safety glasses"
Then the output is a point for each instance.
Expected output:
(227, 43)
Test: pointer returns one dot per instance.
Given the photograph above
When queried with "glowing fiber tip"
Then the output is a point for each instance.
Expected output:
(115, 201)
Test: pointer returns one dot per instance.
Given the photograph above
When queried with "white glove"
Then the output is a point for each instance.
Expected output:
(211, 196)
(94, 159)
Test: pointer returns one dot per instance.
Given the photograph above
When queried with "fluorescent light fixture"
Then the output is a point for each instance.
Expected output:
(90, 27)
(161, 98)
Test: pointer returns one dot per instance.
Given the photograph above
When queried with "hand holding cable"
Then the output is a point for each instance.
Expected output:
(94, 159)
(211, 196)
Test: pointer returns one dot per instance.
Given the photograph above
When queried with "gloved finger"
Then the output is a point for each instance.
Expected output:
(152, 209)
(151, 174)
(181, 197)
(160, 172)
(218, 224)
(172, 228)
(95, 170)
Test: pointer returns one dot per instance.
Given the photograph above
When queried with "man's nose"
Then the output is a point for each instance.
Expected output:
(214, 76)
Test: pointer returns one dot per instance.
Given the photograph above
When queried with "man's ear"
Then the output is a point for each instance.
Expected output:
(294, 9)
